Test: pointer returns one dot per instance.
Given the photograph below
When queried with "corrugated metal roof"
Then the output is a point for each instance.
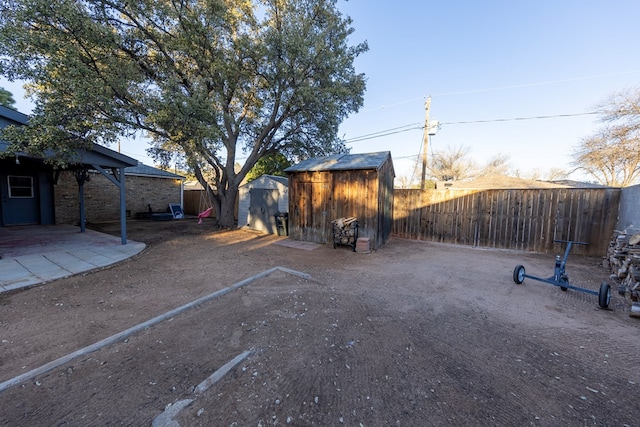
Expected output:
(342, 162)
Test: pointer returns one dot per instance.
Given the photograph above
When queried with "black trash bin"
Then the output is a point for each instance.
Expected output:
(282, 223)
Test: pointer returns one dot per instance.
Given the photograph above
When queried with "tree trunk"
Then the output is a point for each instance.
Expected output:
(227, 218)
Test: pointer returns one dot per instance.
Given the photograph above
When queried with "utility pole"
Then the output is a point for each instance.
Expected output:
(425, 143)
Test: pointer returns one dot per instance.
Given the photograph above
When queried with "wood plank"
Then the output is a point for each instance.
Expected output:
(520, 219)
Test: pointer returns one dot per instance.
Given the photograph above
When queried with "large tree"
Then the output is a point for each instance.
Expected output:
(6, 98)
(210, 80)
(612, 154)
(272, 164)
(454, 164)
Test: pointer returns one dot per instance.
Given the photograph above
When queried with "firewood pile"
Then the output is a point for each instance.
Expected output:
(345, 231)
(623, 257)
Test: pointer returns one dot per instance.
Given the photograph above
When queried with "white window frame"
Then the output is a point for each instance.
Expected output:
(10, 187)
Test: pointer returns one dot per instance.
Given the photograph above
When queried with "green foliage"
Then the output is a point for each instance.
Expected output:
(209, 80)
(6, 98)
(271, 164)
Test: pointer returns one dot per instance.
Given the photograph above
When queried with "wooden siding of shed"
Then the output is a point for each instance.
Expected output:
(527, 220)
(386, 178)
(317, 198)
(309, 201)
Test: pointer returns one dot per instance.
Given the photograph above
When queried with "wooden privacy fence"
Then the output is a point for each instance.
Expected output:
(527, 219)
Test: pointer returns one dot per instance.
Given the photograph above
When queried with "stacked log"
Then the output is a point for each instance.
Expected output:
(345, 231)
(623, 259)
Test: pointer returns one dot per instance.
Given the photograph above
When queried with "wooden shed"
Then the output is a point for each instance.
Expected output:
(323, 189)
(260, 200)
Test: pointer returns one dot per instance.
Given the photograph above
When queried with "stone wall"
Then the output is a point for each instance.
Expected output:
(102, 197)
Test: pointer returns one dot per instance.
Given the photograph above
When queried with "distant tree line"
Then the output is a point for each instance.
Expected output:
(611, 156)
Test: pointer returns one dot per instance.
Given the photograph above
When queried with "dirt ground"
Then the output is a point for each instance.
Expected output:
(414, 334)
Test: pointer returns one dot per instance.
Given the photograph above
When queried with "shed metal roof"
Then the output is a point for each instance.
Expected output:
(342, 162)
(266, 181)
(281, 179)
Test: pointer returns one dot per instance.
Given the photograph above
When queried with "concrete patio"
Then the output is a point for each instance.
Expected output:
(31, 255)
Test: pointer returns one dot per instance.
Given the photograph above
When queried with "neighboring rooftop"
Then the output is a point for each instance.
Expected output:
(500, 182)
(144, 170)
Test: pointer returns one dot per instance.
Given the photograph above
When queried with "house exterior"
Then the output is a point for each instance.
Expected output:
(147, 188)
(323, 189)
(260, 200)
(27, 183)
(93, 187)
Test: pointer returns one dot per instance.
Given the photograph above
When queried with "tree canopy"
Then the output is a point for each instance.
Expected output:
(454, 164)
(6, 98)
(208, 80)
(612, 154)
(271, 164)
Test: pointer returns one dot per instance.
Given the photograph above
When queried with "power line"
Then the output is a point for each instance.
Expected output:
(554, 116)
(386, 132)
(415, 126)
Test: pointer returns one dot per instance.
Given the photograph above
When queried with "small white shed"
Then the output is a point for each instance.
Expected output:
(260, 200)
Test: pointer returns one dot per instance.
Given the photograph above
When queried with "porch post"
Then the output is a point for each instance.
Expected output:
(123, 207)
(81, 177)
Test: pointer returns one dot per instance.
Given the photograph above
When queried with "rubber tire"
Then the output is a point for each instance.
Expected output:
(518, 274)
(564, 279)
(604, 296)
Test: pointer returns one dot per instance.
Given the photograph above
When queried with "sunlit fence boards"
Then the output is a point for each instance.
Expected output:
(522, 219)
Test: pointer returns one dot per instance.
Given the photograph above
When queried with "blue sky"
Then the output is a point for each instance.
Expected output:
(489, 60)
(482, 61)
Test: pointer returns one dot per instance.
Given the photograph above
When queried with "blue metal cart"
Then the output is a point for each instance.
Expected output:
(561, 279)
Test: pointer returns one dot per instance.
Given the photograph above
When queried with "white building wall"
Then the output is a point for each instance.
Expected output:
(629, 213)
(264, 182)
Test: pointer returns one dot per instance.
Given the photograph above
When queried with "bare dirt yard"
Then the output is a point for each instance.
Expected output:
(414, 334)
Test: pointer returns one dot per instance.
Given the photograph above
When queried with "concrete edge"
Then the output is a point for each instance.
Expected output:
(221, 372)
(165, 419)
(144, 325)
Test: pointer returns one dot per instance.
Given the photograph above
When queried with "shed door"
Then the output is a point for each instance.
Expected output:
(20, 201)
(263, 205)
(313, 213)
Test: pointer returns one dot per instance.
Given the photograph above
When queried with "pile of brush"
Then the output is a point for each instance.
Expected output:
(623, 259)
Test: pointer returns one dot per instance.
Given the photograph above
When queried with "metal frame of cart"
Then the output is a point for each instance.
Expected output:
(561, 279)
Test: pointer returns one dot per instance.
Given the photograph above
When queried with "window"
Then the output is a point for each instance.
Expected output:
(20, 187)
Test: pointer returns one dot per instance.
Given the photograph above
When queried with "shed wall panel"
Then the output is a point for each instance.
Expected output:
(318, 197)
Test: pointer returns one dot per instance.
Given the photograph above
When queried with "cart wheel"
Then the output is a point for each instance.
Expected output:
(604, 296)
(564, 279)
(518, 274)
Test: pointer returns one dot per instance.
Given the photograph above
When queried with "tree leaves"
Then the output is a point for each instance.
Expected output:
(210, 80)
